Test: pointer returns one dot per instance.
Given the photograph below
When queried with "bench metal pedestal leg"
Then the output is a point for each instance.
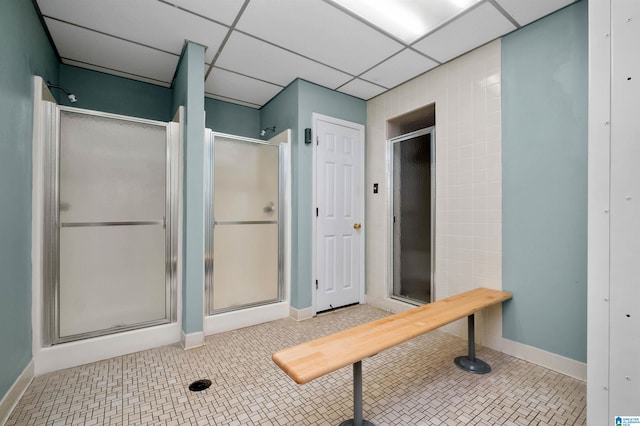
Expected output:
(357, 399)
(470, 363)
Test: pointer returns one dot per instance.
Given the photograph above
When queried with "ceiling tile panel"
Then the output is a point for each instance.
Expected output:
(255, 58)
(148, 22)
(221, 11)
(527, 11)
(318, 30)
(90, 47)
(361, 89)
(473, 29)
(406, 19)
(235, 86)
(398, 69)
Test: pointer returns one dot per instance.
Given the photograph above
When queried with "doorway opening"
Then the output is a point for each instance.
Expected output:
(412, 206)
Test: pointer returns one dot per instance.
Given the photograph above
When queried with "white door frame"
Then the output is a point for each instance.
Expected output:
(315, 117)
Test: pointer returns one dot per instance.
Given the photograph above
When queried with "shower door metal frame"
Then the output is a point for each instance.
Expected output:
(390, 200)
(210, 221)
(52, 224)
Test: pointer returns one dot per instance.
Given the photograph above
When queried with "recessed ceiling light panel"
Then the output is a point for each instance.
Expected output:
(408, 20)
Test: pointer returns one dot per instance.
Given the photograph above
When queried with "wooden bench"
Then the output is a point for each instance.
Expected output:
(318, 357)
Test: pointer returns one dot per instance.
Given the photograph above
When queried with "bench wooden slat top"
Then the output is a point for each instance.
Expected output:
(313, 359)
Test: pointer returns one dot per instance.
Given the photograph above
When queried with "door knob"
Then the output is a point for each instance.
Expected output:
(357, 226)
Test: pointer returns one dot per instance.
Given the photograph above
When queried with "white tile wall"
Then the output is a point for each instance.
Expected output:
(466, 92)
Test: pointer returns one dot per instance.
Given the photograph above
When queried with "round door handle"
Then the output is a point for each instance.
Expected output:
(357, 226)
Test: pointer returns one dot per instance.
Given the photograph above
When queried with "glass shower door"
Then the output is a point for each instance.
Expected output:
(246, 218)
(113, 243)
(413, 206)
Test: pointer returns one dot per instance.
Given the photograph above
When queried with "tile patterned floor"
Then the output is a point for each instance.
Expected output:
(415, 383)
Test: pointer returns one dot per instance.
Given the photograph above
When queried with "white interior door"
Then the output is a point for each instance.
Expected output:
(339, 250)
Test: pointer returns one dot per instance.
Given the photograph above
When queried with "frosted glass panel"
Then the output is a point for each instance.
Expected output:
(111, 170)
(246, 265)
(245, 181)
(412, 219)
(245, 241)
(111, 276)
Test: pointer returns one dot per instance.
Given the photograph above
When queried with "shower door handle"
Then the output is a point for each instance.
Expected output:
(270, 208)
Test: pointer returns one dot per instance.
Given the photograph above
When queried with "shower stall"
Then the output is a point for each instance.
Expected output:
(244, 217)
(110, 223)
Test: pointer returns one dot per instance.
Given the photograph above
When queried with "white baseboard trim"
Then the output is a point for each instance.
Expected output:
(72, 354)
(301, 314)
(13, 395)
(228, 321)
(555, 362)
(191, 340)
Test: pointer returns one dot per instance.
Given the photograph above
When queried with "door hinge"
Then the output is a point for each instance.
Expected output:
(316, 284)
(317, 140)
(316, 212)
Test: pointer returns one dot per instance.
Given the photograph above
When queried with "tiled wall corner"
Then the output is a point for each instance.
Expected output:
(466, 92)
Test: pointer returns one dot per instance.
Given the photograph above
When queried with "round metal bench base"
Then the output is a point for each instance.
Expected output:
(476, 366)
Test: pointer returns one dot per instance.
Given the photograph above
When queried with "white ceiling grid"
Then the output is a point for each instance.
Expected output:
(399, 68)
(274, 42)
(271, 63)
(475, 28)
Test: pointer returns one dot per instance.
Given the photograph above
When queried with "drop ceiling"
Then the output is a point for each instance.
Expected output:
(255, 48)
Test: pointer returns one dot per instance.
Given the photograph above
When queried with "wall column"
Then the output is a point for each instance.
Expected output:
(188, 90)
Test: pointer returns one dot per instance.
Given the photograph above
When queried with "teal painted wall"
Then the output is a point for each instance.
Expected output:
(25, 51)
(544, 173)
(109, 93)
(292, 108)
(188, 90)
(230, 118)
(180, 85)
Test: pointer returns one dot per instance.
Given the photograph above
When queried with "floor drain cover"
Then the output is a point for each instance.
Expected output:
(199, 385)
